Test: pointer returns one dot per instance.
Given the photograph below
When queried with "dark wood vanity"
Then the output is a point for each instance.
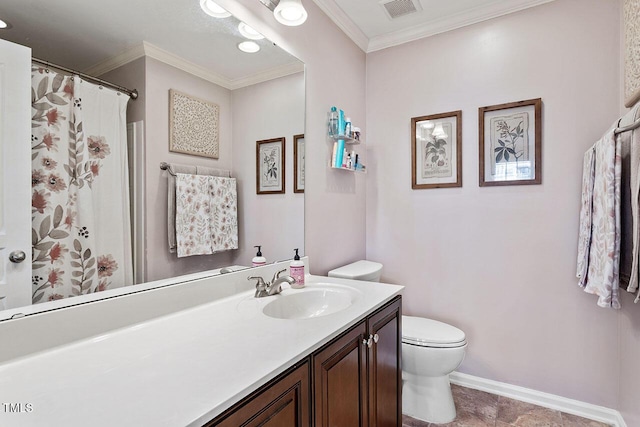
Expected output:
(352, 381)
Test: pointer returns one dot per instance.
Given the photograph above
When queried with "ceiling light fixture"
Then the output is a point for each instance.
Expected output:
(249, 47)
(211, 8)
(3, 24)
(290, 13)
(249, 32)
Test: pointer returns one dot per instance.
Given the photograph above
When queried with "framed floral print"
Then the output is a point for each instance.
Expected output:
(298, 163)
(511, 143)
(270, 166)
(436, 151)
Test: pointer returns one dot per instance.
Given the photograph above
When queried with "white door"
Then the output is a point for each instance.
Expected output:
(15, 172)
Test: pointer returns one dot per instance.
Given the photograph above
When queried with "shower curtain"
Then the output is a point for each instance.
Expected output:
(81, 231)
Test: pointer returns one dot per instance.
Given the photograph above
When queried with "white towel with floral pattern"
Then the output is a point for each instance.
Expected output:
(223, 213)
(206, 214)
(193, 219)
(599, 243)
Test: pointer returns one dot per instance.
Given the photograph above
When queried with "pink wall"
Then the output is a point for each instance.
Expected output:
(334, 71)
(160, 78)
(500, 262)
(272, 109)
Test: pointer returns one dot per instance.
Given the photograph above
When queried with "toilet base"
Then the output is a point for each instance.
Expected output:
(428, 398)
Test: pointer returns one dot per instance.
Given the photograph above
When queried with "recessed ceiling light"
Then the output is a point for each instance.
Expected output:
(211, 8)
(290, 12)
(3, 24)
(249, 47)
(249, 32)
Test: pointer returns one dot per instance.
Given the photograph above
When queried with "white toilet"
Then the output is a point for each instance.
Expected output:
(431, 350)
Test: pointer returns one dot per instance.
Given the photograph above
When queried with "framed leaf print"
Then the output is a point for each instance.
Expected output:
(511, 143)
(270, 166)
(436, 151)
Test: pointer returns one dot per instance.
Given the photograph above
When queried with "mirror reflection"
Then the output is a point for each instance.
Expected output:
(103, 217)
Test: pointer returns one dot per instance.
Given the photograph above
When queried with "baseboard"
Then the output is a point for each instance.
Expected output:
(547, 400)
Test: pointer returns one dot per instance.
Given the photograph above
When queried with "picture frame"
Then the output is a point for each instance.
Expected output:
(270, 162)
(510, 137)
(436, 151)
(298, 163)
(193, 125)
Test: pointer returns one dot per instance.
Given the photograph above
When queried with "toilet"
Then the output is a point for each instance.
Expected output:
(431, 350)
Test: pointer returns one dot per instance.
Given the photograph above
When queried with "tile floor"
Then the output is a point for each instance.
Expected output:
(480, 409)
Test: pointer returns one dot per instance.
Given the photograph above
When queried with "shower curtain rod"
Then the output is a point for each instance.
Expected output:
(132, 93)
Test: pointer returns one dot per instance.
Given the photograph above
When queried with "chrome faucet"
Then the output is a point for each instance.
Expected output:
(265, 289)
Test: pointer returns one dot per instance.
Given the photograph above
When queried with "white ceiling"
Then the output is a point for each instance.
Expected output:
(83, 34)
(96, 36)
(366, 22)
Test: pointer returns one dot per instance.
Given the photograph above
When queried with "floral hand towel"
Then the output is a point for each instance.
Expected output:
(603, 234)
(224, 217)
(193, 219)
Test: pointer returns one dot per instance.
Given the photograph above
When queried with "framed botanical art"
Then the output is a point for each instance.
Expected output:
(193, 125)
(511, 143)
(298, 163)
(270, 166)
(436, 151)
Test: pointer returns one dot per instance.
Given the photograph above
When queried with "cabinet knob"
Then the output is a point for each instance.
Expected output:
(368, 342)
(376, 338)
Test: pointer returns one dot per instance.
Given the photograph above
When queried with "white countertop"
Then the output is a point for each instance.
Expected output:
(182, 369)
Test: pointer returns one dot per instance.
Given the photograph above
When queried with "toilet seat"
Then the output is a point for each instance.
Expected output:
(423, 332)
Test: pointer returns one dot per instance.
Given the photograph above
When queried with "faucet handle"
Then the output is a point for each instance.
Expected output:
(260, 284)
(277, 275)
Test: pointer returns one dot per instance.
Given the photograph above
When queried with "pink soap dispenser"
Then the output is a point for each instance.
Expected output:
(296, 270)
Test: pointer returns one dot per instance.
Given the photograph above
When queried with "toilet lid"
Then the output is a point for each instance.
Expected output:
(430, 333)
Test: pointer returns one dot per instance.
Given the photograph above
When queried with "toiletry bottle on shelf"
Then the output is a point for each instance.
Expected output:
(258, 260)
(347, 127)
(341, 122)
(333, 121)
(296, 270)
(339, 154)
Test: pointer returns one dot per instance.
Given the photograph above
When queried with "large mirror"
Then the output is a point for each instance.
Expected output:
(181, 48)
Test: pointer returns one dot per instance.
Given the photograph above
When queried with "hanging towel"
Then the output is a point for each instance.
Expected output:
(193, 228)
(601, 235)
(171, 194)
(206, 214)
(586, 211)
(223, 211)
(631, 213)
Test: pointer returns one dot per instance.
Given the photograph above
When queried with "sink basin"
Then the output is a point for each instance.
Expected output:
(315, 301)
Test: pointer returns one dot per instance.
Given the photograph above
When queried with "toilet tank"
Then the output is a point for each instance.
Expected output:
(359, 270)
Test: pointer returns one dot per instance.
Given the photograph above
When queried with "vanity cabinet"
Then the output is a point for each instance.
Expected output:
(282, 403)
(353, 381)
(357, 377)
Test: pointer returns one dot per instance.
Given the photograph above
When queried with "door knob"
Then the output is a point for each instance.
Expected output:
(17, 256)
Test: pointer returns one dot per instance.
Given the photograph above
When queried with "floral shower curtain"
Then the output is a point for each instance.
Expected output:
(81, 231)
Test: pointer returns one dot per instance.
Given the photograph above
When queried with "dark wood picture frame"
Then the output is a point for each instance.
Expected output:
(418, 181)
(298, 184)
(504, 151)
(270, 153)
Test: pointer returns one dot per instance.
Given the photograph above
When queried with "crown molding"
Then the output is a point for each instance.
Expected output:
(459, 20)
(119, 60)
(342, 20)
(273, 73)
(469, 17)
(152, 51)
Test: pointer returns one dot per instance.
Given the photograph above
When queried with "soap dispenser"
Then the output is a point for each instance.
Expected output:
(258, 260)
(296, 270)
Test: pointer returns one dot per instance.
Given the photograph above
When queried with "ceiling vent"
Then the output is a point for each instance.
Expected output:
(397, 8)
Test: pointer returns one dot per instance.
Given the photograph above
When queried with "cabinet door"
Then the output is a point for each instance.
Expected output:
(385, 373)
(284, 403)
(340, 381)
